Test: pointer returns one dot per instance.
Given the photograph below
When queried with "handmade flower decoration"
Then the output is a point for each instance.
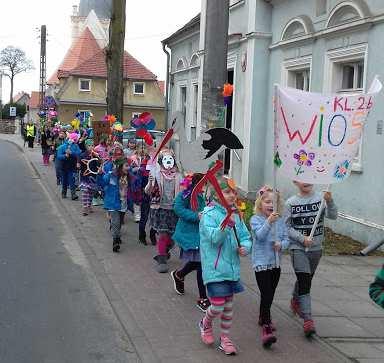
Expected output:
(143, 124)
(304, 158)
(342, 170)
(117, 129)
(75, 123)
(111, 119)
(227, 93)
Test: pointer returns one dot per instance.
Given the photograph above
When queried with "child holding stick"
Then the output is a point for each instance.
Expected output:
(220, 250)
(301, 211)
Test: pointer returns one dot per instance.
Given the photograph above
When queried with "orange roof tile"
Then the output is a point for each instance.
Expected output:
(81, 50)
(86, 58)
(96, 67)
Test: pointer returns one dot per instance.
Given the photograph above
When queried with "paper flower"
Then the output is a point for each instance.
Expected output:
(109, 118)
(304, 158)
(341, 170)
(227, 93)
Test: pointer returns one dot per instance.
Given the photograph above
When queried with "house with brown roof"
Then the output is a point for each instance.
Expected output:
(22, 98)
(80, 82)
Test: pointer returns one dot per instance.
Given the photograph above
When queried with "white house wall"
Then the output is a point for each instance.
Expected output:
(361, 197)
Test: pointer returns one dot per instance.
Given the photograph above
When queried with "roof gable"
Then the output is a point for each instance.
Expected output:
(96, 67)
(81, 50)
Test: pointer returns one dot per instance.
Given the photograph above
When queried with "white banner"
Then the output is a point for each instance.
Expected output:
(317, 136)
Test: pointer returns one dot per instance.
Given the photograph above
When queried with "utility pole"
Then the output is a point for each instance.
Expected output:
(115, 60)
(214, 42)
(1, 94)
(43, 65)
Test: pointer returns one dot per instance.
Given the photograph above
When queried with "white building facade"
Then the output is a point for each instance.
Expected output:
(315, 45)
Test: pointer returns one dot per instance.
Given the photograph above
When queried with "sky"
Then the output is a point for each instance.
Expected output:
(147, 23)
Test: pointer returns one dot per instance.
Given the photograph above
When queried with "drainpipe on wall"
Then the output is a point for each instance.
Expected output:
(166, 104)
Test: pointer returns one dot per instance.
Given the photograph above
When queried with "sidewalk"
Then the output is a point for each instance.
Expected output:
(163, 325)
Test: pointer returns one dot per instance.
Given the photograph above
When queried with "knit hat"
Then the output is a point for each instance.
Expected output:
(88, 142)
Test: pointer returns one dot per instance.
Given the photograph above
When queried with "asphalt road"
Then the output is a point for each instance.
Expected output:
(51, 308)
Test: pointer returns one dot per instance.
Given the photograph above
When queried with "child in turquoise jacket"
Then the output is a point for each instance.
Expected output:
(220, 251)
(187, 236)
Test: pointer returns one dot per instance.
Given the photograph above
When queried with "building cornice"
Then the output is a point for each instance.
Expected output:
(361, 24)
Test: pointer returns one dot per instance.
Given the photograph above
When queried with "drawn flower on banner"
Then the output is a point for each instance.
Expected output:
(304, 158)
(341, 170)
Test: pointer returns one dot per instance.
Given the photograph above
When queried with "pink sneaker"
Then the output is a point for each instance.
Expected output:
(206, 333)
(267, 336)
(227, 346)
(309, 328)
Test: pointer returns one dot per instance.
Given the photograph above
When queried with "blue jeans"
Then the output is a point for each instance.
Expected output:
(58, 168)
(68, 179)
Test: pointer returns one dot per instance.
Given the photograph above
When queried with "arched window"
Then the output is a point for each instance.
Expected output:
(194, 61)
(302, 25)
(344, 15)
(181, 64)
(348, 11)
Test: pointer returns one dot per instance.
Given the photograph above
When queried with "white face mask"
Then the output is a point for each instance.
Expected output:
(168, 162)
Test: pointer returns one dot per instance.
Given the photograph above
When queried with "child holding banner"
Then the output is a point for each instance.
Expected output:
(264, 252)
(301, 211)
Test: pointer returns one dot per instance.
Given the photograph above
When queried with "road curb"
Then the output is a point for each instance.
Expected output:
(136, 336)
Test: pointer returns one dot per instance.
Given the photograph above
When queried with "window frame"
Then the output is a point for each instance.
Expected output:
(90, 85)
(134, 88)
(347, 55)
(296, 65)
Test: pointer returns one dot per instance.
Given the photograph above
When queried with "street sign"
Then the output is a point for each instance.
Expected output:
(12, 111)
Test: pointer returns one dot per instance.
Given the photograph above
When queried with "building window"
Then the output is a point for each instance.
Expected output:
(299, 79)
(345, 72)
(343, 14)
(293, 29)
(136, 114)
(85, 85)
(351, 76)
(195, 103)
(296, 73)
(183, 103)
(138, 88)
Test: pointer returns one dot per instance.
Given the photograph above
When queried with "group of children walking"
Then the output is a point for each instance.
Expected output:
(164, 198)
(215, 254)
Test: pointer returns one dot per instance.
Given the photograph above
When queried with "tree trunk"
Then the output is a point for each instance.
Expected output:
(115, 60)
(11, 92)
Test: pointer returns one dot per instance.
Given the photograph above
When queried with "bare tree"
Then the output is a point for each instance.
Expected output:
(13, 61)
